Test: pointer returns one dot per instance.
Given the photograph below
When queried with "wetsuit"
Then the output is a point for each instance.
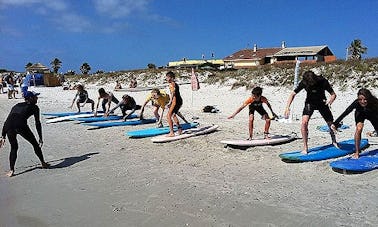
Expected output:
(256, 105)
(16, 123)
(83, 95)
(316, 99)
(360, 115)
(177, 100)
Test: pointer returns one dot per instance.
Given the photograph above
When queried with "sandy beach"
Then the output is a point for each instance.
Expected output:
(103, 178)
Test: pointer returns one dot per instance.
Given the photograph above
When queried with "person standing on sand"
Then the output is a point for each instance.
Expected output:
(315, 86)
(174, 104)
(158, 99)
(107, 99)
(82, 96)
(16, 123)
(255, 103)
(366, 106)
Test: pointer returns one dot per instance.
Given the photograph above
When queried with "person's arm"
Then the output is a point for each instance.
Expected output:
(3, 135)
(73, 101)
(114, 108)
(288, 104)
(38, 125)
(142, 110)
(331, 98)
(98, 103)
(237, 111)
(347, 111)
(131, 112)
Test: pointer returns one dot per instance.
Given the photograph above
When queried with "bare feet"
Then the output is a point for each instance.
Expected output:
(10, 173)
(171, 135)
(266, 135)
(304, 152)
(179, 130)
(336, 145)
(45, 165)
(355, 156)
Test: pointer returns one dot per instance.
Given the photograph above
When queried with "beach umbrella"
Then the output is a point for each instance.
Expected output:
(194, 82)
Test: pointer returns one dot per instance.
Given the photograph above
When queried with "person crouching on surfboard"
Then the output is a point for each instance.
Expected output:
(255, 102)
(107, 99)
(17, 123)
(158, 99)
(82, 97)
(315, 86)
(366, 106)
(127, 103)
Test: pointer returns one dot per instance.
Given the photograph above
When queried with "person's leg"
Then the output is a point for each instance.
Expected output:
(156, 112)
(170, 122)
(103, 104)
(29, 136)
(304, 132)
(250, 126)
(179, 128)
(267, 126)
(357, 139)
(78, 106)
(182, 117)
(12, 138)
(92, 104)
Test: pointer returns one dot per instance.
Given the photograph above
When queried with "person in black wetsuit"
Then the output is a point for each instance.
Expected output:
(127, 103)
(366, 108)
(174, 104)
(16, 123)
(315, 86)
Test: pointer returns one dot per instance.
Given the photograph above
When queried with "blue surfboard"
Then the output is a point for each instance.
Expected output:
(120, 123)
(109, 118)
(368, 161)
(157, 131)
(324, 152)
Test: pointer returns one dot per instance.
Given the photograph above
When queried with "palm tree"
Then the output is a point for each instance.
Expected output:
(85, 68)
(356, 49)
(56, 64)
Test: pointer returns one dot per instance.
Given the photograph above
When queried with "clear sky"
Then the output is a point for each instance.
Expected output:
(114, 35)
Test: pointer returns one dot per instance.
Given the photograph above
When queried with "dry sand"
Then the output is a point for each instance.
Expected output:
(102, 178)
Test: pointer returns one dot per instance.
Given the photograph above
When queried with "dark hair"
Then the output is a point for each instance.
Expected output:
(170, 74)
(372, 101)
(309, 78)
(101, 91)
(257, 91)
(80, 87)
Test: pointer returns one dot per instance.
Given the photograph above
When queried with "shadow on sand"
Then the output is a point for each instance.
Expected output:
(64, 162)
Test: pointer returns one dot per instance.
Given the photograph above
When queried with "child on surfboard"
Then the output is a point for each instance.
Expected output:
(366, 108)
(127, 103)
(82, 97)
(255, 103)
(315, 86)
(159, 99)
(107, 99)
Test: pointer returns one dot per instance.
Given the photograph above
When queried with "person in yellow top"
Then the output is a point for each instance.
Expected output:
(159, 99)
(255, 103)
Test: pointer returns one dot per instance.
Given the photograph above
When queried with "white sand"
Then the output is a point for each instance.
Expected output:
(102, 178)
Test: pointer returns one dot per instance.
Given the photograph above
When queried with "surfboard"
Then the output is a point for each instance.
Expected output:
(325, 128)
(273, 140)
(324, 152)
(368, 161)
(185, 134)
(119, 123)
(71, 117)
(109, 118)
(62, 114)
(157, 131)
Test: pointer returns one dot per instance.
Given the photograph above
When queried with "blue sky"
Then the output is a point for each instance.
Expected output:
(114, 35)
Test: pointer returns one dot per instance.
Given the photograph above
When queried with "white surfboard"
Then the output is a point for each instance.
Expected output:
(273, 140)
(71, 117)
(185, 134)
